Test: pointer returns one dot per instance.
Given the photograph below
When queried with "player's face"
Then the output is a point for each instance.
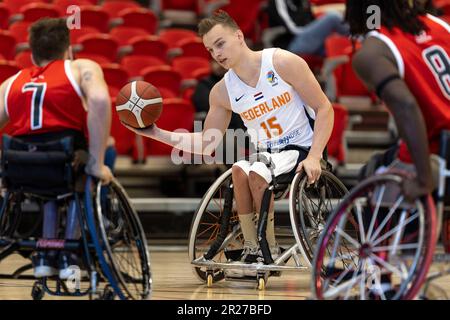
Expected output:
(223, 44)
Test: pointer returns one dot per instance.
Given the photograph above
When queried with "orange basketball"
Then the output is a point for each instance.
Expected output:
(139, 104)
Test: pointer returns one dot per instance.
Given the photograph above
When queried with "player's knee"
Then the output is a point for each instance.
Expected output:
(256, 181)
(238, 174)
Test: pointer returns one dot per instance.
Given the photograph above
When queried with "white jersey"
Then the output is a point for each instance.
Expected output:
(272, 111)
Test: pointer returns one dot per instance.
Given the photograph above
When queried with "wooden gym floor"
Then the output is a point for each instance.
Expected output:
(173, 278)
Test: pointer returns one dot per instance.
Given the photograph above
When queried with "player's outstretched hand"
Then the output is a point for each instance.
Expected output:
(312, 168)
(148, 132)
(103, 173)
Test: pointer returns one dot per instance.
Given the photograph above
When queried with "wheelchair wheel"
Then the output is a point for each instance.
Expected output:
(310, 207)
(374, 239)
(206, 226)
(119, 240)
(124, 240)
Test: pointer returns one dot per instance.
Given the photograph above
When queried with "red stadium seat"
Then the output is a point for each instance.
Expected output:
(193, 48)
(201, 73)
(336, 145)
(123, 35)
(176, 114)
(35, 11)
(99, 44)
(139, 18)
(7, 69)
(248, 19)
(163, 77)
(115, 76)
(115, 7)
(186, 66)
(125, 139)
(100, 59)
(150, 46)
(76, 34)
(64, 4)
(134, 64)
(19, 30)
(173, 36)
(4, 16)
(15, 5)
(95, 16)
(7, 44)
(23, 59)
(315, 63)
(347, 83)
(188, 5)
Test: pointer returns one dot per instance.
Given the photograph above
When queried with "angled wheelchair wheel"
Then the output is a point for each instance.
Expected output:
(375, 245)
(119, 241)
(210, 235)
(310, 207)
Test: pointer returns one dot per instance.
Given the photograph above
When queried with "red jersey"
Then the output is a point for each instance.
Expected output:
(424, 64)
(45, 99)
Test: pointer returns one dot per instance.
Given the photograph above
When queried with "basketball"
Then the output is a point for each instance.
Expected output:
(139, 104)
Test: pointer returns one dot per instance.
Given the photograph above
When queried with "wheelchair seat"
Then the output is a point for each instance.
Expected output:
(39, 168)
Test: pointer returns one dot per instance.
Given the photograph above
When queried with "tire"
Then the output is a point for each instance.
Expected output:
(206, 225)
(373, 233)
(311, 206)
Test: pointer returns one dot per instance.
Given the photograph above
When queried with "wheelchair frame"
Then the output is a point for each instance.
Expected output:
(94, 243)
(431, 223)
(215, 271)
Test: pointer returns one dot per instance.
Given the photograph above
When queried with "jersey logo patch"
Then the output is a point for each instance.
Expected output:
(237, 99)
(273, 80)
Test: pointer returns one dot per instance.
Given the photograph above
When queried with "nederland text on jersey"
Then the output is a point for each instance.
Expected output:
(266, 107)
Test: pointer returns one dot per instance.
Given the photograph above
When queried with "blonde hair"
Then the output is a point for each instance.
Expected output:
(219, 17)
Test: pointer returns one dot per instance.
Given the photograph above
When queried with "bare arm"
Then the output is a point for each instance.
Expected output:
(98, 103)
(216, 122)
(296, 72)
(374, 63)
(3, 115)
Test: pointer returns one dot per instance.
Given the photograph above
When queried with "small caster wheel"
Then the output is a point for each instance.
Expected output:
(108, 293)
(37, 292)
(261, 284)
(209, 280)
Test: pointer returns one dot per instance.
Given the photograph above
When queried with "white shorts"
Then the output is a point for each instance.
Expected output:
(284, 162)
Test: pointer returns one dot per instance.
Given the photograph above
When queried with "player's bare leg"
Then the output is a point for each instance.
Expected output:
(244, 204)
(257, 186)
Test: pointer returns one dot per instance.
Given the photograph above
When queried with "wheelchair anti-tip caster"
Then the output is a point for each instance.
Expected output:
(108, 293)
(261, 280)
(37, 292)
(209, 279)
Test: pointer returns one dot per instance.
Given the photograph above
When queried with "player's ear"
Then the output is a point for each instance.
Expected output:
(240, 35)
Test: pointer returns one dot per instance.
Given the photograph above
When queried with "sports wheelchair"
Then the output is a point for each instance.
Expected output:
(376, 237)
(216, 239)
(113, 248)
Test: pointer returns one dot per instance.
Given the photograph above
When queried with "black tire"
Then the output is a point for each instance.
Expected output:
(206, 225)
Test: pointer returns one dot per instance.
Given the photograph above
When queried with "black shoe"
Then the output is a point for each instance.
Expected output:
(44, 264)
(68, 264)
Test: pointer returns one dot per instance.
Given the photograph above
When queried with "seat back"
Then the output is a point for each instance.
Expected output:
(40, 168)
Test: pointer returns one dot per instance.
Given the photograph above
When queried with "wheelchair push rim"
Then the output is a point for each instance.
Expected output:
(311, 206)
(205, 228)
(124, 243)
(379, 248)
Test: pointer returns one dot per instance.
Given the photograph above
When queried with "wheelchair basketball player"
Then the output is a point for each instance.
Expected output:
(59, 97)
(407, 63)
(273, 91)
